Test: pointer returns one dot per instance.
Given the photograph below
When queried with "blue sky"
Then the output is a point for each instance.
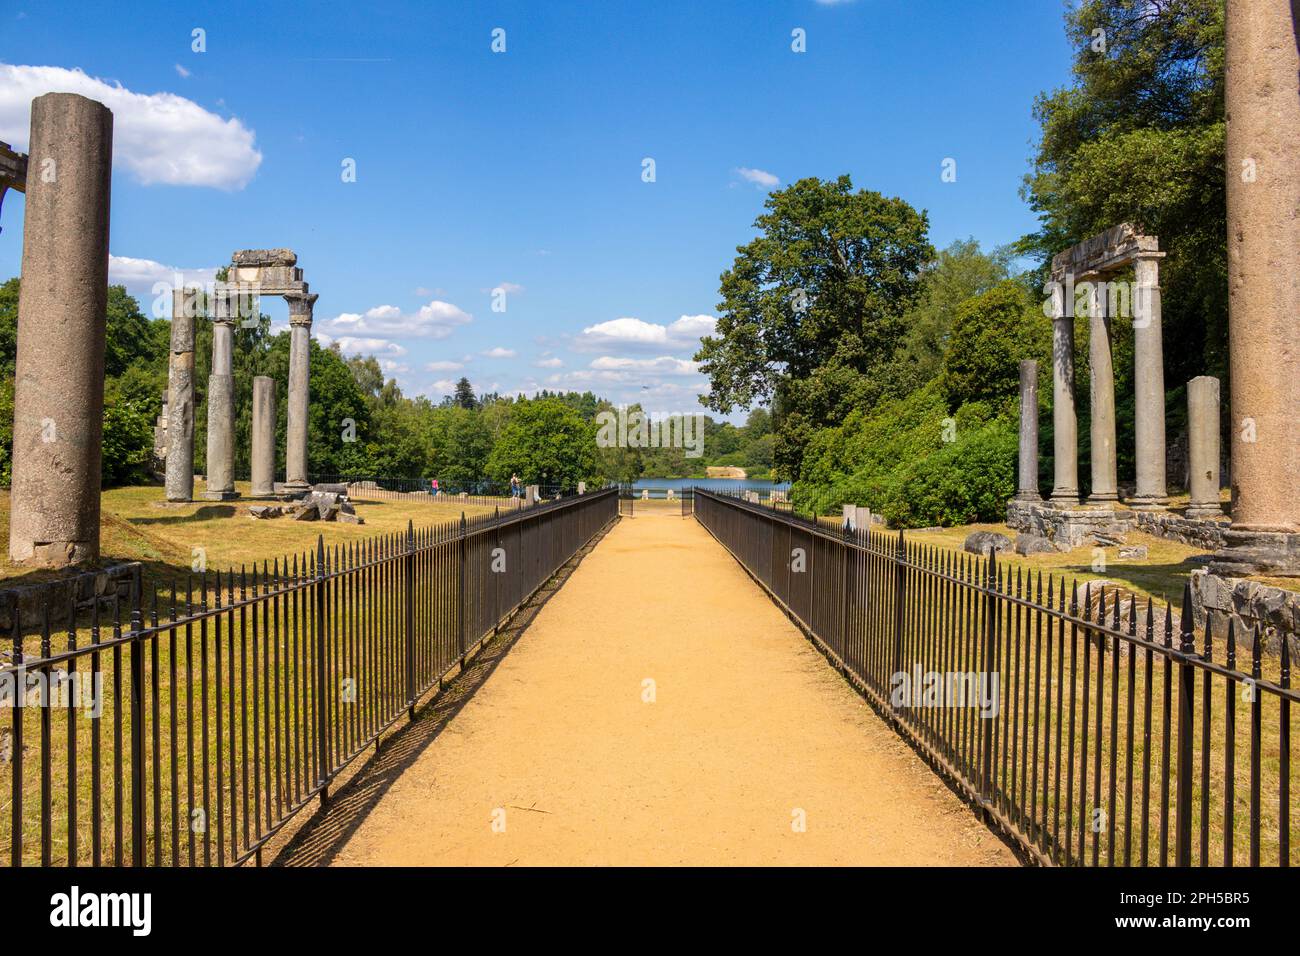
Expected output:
(522, 170)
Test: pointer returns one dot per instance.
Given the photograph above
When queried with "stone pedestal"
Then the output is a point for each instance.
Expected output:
(1149, 388)
(295, 453)
(1203, 446)
(179, 478)
(1027, 489)
(1065, 428)
(1263, 179)
(221, 414)
(1105, 480)
(59, 376)
(263, 438)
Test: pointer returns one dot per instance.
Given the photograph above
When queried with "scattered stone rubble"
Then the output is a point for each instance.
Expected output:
(322, 503)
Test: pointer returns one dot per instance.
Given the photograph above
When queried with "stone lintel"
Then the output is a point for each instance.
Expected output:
(1105, 252)
(264, 257)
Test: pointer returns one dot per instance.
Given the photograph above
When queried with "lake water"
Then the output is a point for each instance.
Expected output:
(659, 486)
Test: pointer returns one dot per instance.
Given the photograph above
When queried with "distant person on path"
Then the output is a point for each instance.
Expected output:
(433, 487)
(514, 486)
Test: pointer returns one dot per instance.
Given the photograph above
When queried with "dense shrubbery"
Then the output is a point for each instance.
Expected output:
(945, 453)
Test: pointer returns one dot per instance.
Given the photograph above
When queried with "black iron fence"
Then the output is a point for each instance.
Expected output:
(185, 723)
(1090, 727)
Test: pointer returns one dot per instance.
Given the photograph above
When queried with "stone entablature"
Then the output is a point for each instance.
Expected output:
(1104, 253)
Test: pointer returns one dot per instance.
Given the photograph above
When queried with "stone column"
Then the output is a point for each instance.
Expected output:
(1149, 388)
(179, 480)
(59, 376)
(221, 409)
(263, 439)
(1263, 141)
(1102, 385)
(1203, 446)
(1028, 486)
(1065, 428)
(295, 453)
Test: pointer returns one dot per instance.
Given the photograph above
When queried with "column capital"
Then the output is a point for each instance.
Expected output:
(301, 305)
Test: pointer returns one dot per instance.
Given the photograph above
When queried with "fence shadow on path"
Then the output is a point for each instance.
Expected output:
(318, 841)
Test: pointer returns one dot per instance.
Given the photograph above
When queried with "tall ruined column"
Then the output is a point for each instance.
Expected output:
(1203, 446)
(1263, 141)
(295, 454)
(180, 397)
(59, 377)
(1149, 389)
(1028, 487)
(1065, 427)
(263, 450)
(1102, 385)
(221, 408)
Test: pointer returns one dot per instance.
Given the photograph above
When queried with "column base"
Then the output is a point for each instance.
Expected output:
(1195, 510)
(1149, 503)
(1029, 497)
(220, 495)
(267, 491)
(296, 487)
(1103, 499)
(1065, 499)
(1245, 553)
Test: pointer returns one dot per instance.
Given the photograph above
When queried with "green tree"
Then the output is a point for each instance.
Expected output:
(464, 396)
(815, 299)
(991, 333)
(545, 442)
(959, 272)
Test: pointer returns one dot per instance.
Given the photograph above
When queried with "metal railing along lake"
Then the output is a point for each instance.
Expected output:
(1089, 727)
(185, 723)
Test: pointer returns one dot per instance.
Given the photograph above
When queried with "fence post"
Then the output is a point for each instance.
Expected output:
(1186, 700)
(322, 693)
(900, 570)
(409, 586)
(460, 616)
(990, 641)
(137, 726)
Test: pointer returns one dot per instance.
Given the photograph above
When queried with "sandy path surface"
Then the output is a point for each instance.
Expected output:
(750, 731)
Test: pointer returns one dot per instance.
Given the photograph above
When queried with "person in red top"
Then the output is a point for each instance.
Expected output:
(433, 487)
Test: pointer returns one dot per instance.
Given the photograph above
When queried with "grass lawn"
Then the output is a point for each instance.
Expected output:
(138, 524)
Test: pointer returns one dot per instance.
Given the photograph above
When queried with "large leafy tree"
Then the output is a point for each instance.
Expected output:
(813, 305)
(1139, 137)
(546, 441)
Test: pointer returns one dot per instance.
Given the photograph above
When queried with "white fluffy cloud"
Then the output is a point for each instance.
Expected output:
(663, 365)
(499, 353)
(552, 362)
(354, 345)
(141, 275)
(158, 137)
(443, 366)
(634, 334)
(436, 320)
(759, 177)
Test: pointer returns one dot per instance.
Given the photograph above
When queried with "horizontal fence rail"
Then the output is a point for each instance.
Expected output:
(1092, 729)
(185, 723)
